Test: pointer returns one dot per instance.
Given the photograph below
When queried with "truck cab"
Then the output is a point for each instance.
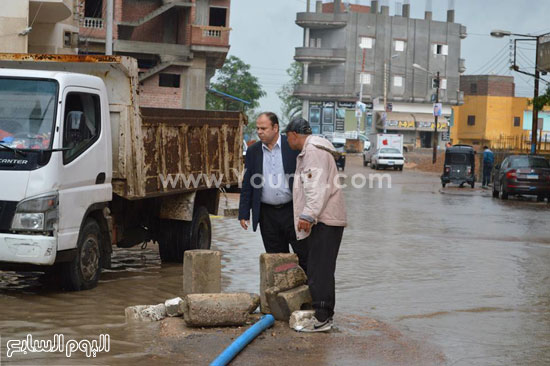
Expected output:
(55, 166)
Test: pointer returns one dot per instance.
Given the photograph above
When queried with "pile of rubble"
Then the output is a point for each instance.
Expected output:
(283, 290)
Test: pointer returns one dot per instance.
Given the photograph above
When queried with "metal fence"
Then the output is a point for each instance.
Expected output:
(521, 144)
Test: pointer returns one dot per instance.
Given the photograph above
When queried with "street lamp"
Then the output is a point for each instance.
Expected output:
(437, 83)
(536, 75)
(386, 85)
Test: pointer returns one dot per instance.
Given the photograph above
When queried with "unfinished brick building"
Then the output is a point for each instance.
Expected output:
(179, 44)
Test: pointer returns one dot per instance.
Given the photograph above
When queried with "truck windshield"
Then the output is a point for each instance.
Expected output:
(27, 112)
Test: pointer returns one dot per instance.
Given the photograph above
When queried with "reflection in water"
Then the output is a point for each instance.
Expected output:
(468, 273)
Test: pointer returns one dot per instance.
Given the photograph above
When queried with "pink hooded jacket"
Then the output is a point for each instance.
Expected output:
(317, 196)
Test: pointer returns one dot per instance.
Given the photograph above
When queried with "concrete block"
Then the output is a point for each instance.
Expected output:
(215, 310)
(300, 318)
(173, 307)
(145, 313)
(293, 300)
(271, 295)
(287, 278)
(268, 264)
(202, 272)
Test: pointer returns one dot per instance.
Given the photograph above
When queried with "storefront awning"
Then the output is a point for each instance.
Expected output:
(397, 121)
(426, 122)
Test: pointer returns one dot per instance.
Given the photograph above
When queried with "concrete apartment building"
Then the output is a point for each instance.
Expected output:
(39, 26)
(346, 45)
(179, 44)
(492, 115)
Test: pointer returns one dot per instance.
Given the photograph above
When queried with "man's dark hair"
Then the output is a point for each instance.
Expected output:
(485, 147)
(272, 117)
(299, 125)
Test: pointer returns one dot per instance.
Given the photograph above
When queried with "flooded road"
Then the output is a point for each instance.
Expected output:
(454, 268)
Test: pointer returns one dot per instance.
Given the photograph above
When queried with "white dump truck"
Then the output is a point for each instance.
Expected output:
(83, 167)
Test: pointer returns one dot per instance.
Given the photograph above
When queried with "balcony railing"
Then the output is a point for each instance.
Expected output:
(204, 35)
(325, 90)
(322, 20)
(94, 23)
(320, 55)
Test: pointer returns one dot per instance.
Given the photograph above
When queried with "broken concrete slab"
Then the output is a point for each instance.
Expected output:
(174, 307)
(287, 278)
(289, 301)
(145, 313)
(271, 295)
(202, 272)
(215, 310)
(300, 318)
(268, 263)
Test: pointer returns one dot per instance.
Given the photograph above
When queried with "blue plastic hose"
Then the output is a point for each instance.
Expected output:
(244, 339)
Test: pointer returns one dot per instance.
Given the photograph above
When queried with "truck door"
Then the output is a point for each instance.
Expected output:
(84, 178)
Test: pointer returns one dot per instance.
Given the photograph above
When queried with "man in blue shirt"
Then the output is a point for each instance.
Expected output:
(488, 162)
(267, 189)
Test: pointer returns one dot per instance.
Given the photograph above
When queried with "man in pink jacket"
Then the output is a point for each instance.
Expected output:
(319, 217)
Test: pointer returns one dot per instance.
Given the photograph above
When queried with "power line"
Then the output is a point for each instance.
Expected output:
(500, 53)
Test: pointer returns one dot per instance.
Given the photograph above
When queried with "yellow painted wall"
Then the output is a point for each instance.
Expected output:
(494, 117)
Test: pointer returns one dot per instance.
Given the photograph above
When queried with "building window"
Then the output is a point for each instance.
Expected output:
(93, 9)
(67, 39)
(399, 46)
(473, 88)
(471, 120)
(398, 81)
(364, 78)
(169, 80)
(442, 83)
(517, 121)
(441, 49)
(217, 17)
(366, 42)
(318, 42)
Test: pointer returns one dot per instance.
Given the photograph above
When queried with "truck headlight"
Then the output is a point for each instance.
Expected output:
(36, 214)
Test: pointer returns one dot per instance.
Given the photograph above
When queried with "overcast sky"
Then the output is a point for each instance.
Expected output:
(264, 35)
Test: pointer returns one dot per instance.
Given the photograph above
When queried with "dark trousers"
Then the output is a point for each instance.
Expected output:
(487, 170)
(323, 245)
(277, 228)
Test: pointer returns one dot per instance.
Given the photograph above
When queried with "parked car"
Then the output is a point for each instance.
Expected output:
(339, 144)
(460, 166)
(522, 175)
(379, 141)
(388, 157)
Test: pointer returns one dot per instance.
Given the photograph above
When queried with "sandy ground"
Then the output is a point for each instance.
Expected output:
(356, 340)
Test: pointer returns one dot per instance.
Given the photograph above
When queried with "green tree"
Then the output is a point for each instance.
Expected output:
(542, 100)
(291, 106)
(235, 79)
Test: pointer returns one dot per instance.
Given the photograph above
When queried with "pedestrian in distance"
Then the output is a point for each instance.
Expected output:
(488, 162)
(267, 189)
(319, 217)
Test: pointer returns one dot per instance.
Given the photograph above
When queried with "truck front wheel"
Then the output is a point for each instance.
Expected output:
(82, 273)
(201, 231)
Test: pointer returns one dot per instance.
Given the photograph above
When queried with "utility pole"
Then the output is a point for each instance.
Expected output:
(361, 91)
(436, 140)
(536, 94)
(109, 30)
(385, 93)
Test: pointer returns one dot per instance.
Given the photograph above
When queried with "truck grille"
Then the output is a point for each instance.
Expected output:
(7, 210)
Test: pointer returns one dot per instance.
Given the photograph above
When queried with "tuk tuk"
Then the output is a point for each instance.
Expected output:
(459, 166)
